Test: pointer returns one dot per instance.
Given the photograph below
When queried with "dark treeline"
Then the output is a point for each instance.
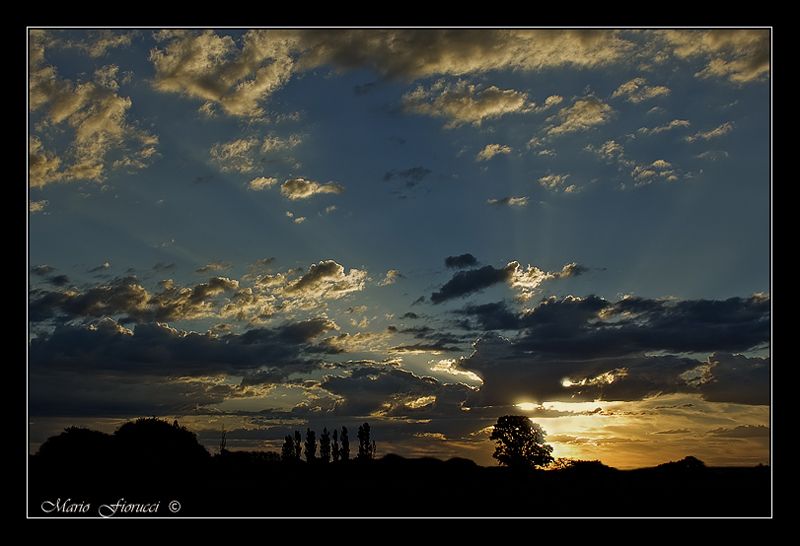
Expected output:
(153, 461)
(294, 448)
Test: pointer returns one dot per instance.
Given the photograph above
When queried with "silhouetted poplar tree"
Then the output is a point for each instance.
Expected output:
(298, 445)
(345, 445)
(335, 446)
(365, 447)
(325, 446)
(287, 451)
(311, 445)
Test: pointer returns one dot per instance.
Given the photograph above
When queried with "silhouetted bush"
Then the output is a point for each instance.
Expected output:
(154, 441)
(687, 464)
(78, 446)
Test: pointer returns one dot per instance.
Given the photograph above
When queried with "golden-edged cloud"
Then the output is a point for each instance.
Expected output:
(94, 115)
(582, 115)
(491, 150)
(739, 55)
(301, 188)
(462, 102)
(637, 90)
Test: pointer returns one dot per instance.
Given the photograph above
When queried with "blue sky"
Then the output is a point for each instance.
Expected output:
(640, 157)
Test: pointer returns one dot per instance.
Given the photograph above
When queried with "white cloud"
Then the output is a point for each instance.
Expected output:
(491, 150)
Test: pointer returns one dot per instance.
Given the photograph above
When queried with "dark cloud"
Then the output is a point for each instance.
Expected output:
(126, 297)
(464, 283)
(460, 262)
(412, 176)
(737, 379)
(58, 280)
(102, 267)
(409, 315)
(161, 266)
(592, 326)
(419, 300)
(492, 316)
(364, 88)
(590, 348)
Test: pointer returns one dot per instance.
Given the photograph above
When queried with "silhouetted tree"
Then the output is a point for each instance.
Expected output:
(345, 445)
(325, 446)
(222, 441)
(287, 451)
(311, 445)
(335, 446)
(520, 443)
(365, 447)
(298, 445)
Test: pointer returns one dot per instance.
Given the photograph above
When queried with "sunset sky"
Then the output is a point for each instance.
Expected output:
(268, 230)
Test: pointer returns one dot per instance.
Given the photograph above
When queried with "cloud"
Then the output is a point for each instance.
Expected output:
(739, 55)
(37, 206)
(300, 188)
(553, 181)
(213, 266)
(733, 378)
(637, 90)
(262, 183)
(217, 71)
(465, 283)
(105, 368)
(462, 102)
(102, 267)
(610, 150)
(524, 280)
(391, 277)
(327, 279)
(245, 155)
(582, 115)
(462, 261)
(491, 150)
(674, 124)
(716, 132)
(94, 117)
(42, 270)
(99, 42)
(742, 431)
(412, 176)
(509, 201)
(713, 155)
(548, 361)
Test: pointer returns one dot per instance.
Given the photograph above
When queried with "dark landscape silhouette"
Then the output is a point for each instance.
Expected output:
(157, 468)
